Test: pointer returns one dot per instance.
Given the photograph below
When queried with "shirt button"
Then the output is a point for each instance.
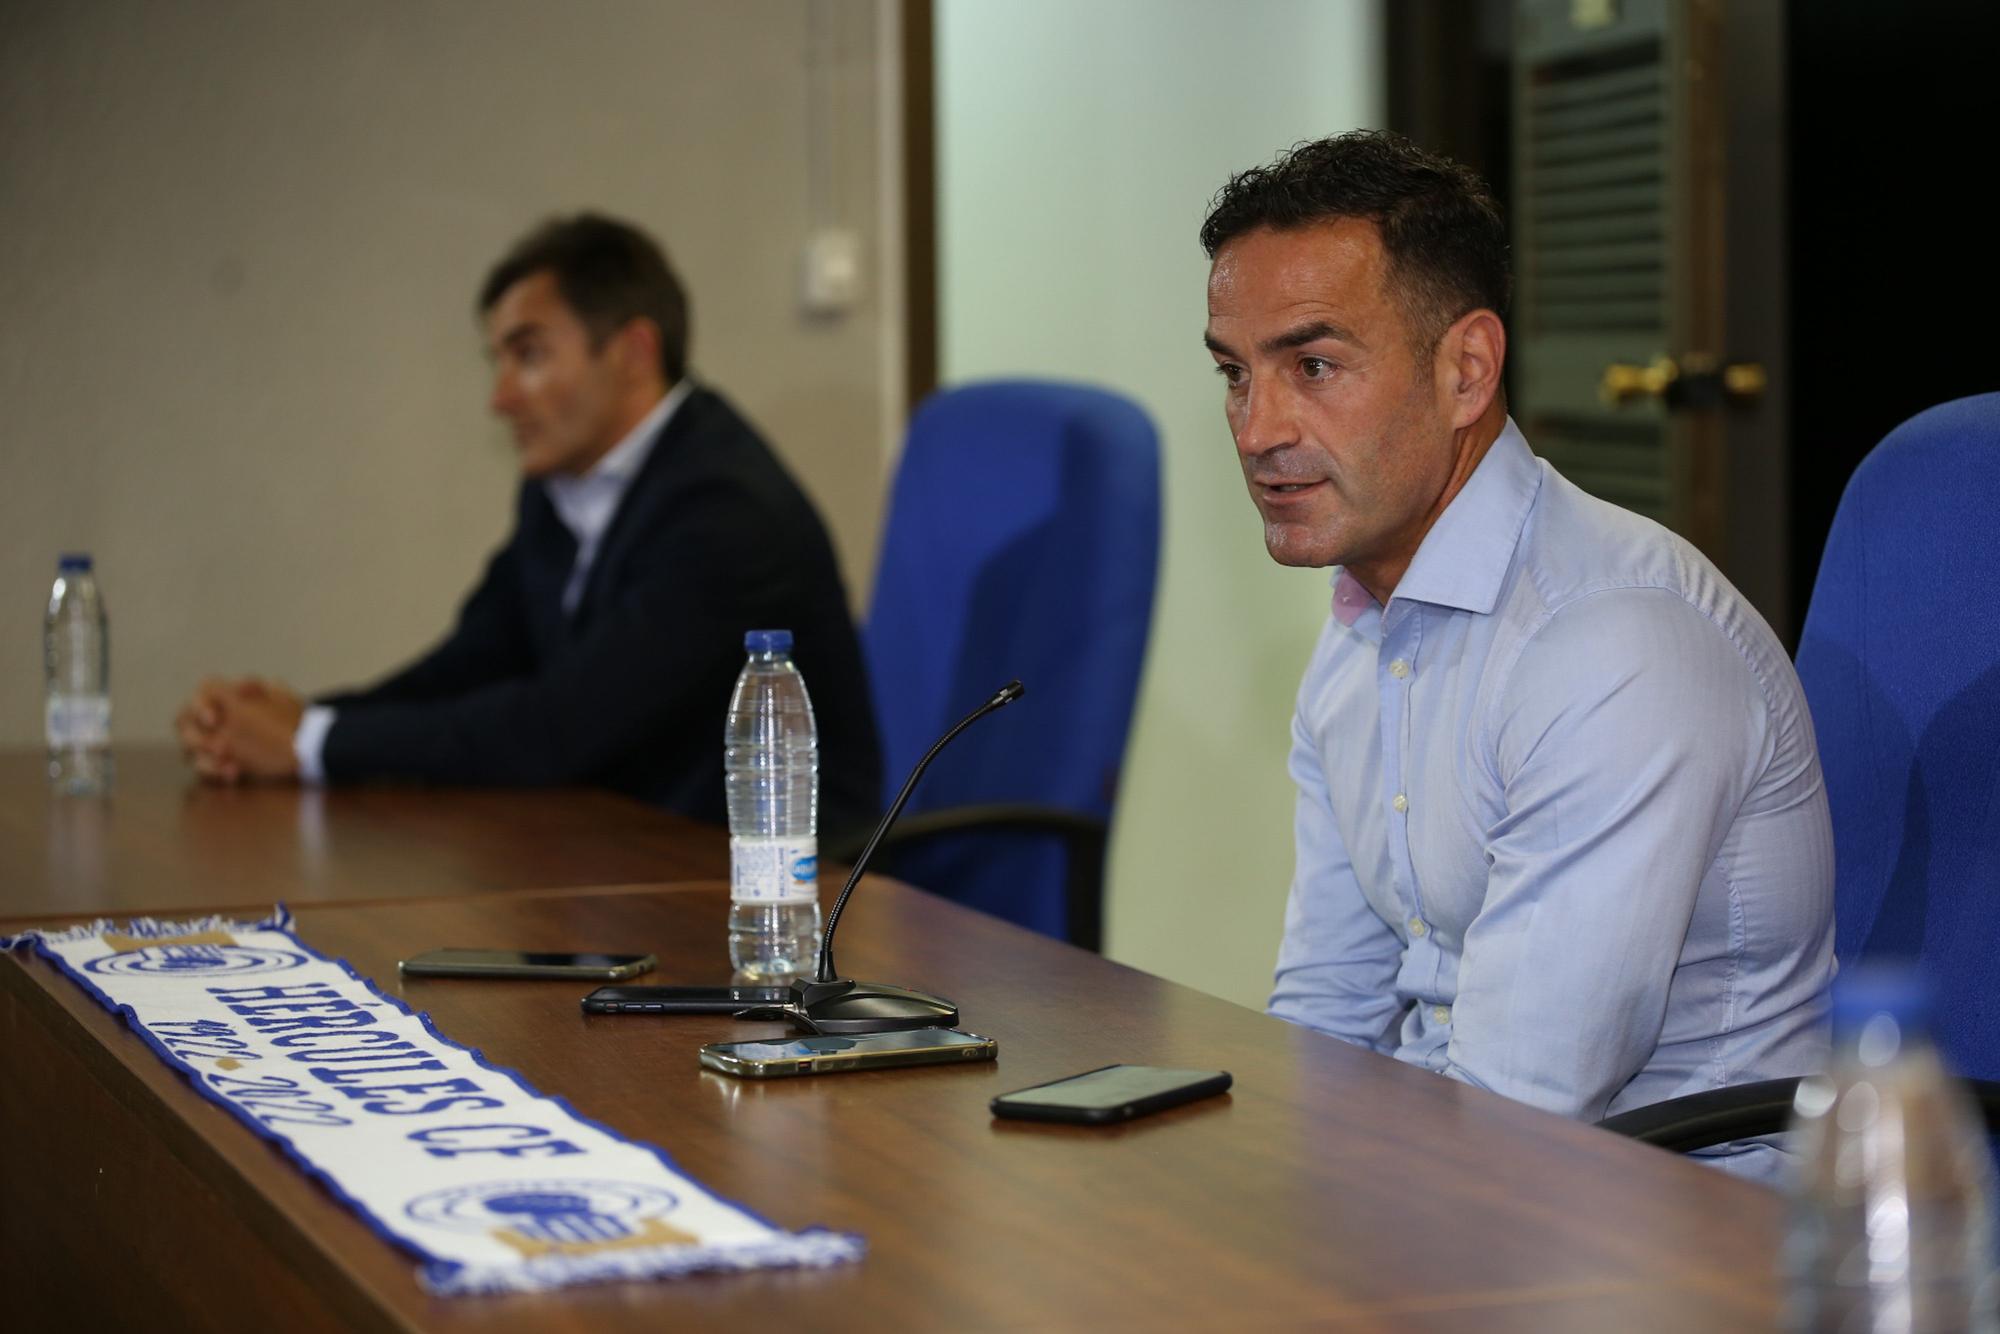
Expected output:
(1441, 1013)
(1399, 668)
(1417, 926)
(1401, 803)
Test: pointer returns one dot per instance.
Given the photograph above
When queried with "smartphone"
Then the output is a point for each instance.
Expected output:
(823, 1053)
(525, 963)
(682, 1000)
(1115, 1093)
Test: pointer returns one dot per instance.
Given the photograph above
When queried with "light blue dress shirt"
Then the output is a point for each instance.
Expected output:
(586, 505)
(1561, 829)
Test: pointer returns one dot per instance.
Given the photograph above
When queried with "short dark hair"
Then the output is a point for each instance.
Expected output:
(1440, 228)
(609, 272)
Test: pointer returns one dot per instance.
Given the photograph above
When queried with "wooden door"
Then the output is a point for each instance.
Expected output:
(1626, 377)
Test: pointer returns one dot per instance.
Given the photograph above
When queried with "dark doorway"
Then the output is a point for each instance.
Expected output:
(1893, 111)
(1862, 298)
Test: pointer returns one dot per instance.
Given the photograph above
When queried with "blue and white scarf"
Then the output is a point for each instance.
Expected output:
(495, 1187)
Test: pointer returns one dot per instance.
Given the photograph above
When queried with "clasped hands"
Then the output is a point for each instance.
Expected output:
(238, 731)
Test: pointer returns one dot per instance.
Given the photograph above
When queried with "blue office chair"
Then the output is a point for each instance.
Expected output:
(1901, 664)
(1022, 542)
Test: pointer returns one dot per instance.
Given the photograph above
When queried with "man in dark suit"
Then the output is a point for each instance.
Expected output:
(654, 528)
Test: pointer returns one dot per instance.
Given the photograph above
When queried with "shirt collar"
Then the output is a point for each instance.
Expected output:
(610, 475)
(1465, 555)
(629, 455)
(1350, 599)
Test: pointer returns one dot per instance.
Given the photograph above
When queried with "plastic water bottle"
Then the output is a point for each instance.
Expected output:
(76, 664)
(770, 764)
(1891, 1225)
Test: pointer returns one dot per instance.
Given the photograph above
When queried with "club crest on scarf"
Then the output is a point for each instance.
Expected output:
(202, 953)
(561, 1217)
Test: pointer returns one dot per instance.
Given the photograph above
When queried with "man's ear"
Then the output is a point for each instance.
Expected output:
(638, 344)
(1469, 361)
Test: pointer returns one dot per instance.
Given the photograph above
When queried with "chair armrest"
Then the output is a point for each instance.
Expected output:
(1084, 838)
(1703, 1120)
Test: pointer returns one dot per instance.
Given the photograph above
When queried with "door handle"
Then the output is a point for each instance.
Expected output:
(1695, 381)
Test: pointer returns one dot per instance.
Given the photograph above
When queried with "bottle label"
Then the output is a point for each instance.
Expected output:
(78, 722)
(773, 870)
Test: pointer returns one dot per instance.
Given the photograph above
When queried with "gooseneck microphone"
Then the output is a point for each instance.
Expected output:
(830, 1003)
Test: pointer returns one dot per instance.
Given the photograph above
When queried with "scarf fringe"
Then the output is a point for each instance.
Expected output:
(147, 928)
(815, 1248)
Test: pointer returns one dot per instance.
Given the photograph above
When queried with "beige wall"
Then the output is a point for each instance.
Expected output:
(1079, 145)
(241, 241)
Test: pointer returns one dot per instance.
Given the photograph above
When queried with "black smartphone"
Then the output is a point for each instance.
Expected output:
(823, 1053)
(682, 1000)
(1115, 1093)
(525, 963)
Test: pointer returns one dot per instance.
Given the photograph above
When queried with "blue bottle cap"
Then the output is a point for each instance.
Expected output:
(73, 562)
(768, 641)
(1866, 990)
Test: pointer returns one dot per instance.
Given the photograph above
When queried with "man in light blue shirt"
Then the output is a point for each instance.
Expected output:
(1561, 830)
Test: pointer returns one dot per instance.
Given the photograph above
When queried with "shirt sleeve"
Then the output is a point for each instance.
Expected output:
(1338, 961)
(1624, 740)
(309, 740)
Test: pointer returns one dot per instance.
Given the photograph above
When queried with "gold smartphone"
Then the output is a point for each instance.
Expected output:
(824, 1053)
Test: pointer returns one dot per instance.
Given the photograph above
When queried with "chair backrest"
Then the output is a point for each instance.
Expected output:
(1901, 663)
(1022, 541)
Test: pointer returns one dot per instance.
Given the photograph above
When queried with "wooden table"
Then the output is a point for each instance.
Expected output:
(164, 842)
(1334, 1189)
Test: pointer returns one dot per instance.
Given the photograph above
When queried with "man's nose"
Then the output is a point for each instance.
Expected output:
(504, 396)
(1266, 420)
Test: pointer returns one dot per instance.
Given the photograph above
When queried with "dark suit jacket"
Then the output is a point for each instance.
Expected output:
(712, 538)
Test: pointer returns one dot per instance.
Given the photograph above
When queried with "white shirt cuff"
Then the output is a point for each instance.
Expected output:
(310, 740)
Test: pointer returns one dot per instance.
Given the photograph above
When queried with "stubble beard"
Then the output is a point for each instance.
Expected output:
(1297, 547)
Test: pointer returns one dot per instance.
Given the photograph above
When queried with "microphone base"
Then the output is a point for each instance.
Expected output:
(846, 1006)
